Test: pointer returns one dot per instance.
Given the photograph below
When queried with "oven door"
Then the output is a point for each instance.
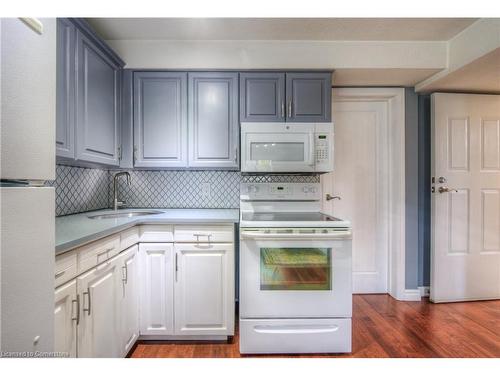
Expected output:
(277, 152)
(295, 273)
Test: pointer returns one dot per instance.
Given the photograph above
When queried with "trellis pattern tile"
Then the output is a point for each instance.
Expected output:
(306, 179)
(84, 189)
(179, 189)
(80, 189)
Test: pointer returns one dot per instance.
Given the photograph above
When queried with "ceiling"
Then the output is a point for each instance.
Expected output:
(327, 29)
(481, 75)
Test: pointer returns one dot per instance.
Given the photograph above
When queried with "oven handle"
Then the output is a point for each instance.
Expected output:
(290, 329)
(297, 236)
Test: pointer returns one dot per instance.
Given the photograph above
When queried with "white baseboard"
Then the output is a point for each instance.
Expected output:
(411, 295)
(425, 291)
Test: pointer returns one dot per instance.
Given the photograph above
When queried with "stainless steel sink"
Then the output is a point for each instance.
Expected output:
(122, 214)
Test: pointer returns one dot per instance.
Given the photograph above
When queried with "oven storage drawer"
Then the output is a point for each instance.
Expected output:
(295, 336)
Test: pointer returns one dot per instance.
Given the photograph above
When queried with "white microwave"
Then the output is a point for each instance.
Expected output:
(286, 147)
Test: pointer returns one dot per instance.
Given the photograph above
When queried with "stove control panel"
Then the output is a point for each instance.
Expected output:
(280, 191)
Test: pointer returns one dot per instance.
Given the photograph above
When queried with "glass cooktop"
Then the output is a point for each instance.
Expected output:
(287, 216)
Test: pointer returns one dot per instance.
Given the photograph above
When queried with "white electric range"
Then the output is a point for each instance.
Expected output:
(295, 272)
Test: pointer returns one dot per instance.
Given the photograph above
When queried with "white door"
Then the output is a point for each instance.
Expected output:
(157, 289)
(99, 329)
(204, 289)
(465, 259)
(129, 305)
(66, 316)
(358, 187)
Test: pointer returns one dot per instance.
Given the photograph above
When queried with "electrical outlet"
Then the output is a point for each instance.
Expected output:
(205, 189)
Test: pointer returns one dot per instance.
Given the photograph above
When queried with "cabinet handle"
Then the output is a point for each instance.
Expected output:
(290, 108)
(236, 154)
(135, 154)
(88, 294)
(125, 279)
(104, 252)
(176, 267)
(77, 301)
(59, 274)
(198, 235)
(282, 109)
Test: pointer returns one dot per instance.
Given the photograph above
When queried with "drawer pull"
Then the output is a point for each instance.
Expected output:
(198, 235)
(104, 252)
(59, 274)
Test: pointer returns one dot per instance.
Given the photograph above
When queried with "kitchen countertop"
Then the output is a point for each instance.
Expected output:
(76, 230)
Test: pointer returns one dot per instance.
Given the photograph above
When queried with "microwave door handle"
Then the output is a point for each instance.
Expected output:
(312, 148)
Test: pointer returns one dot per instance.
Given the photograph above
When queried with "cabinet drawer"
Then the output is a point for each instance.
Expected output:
(208, 233)
(156, 233)
(65, 268)
(129, 237)
(97, 252)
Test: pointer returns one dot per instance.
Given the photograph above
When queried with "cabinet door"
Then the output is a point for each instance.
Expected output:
(66, 319)
(99, 329)
(204, 289)
(308, 97)
(160, 119)
(129, 304)
(157, 290)
(213, 120)
(262, 97)
(97, 103)
(65, 102)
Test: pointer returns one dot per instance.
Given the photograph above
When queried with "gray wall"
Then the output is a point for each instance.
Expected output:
(417, 163)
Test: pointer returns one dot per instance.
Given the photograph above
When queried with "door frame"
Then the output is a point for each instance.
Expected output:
(394, 98)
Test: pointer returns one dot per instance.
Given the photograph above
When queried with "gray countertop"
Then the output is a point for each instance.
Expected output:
(76, 230)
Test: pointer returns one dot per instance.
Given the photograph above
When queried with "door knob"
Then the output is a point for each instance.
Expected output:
(442, 190)
(330, 197)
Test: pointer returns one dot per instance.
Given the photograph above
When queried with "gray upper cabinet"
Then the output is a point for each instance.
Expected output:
(213, 120)
(65, 106)
(160, 119)
(97, 102)
(308, 97)
(262, 97)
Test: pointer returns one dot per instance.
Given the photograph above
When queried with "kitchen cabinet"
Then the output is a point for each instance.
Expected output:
(157, 290)
(88, 97)
(160, 119)
(66, 316)
(213, 120)
(129, 298)
(308, 97)
(99, 328)
(204, 289)
(285, 96)
(262, 97)
(65, 89)
(97, 103)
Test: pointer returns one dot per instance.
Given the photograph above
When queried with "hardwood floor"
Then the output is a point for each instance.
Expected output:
(383, 327)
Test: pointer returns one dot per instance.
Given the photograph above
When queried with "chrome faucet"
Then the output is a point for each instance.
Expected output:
(116, 202)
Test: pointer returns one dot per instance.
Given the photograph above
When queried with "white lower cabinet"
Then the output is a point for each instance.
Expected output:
(149, 290)
(129, 298)
(157, 290)
(99, 328)
(204, 289)
(66, 312)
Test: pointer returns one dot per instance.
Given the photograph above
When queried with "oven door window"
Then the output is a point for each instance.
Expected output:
(295, 268)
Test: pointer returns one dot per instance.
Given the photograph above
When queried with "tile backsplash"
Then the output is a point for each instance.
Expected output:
(80, 189)
(84, 189)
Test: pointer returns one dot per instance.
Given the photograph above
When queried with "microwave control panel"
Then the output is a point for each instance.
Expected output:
(322, 147)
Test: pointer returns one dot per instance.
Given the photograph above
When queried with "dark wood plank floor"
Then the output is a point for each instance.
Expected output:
(384, 327)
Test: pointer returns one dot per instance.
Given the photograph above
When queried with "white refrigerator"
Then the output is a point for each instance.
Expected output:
(27, 161)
